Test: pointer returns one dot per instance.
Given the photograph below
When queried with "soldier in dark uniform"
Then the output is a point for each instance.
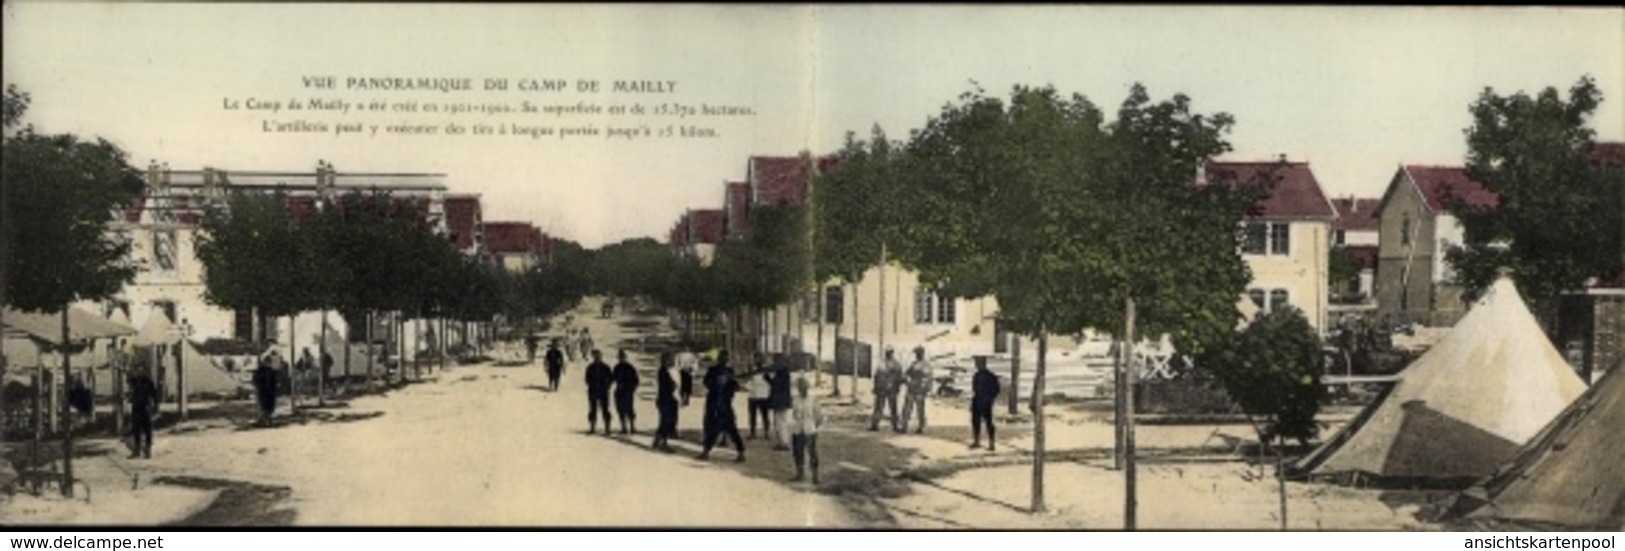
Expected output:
(720, 387)
(626, 393)
(665, 404)
(984, 390)
(143, 405)
(265, 383)
(555, 365)
(599, 379)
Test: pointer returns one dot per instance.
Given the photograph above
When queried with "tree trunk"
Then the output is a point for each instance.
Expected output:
(1280, 483)
(180, 377)
(1037, 405)
(1130, 500)
(880, 307)
(67, 429)
(293, 374)
(818, 347)
(1119, 364)
(855, 342)
(372, 352)
(348, 332)
(440, 342)
(1015, 373)
(119, 369)
(321, 364)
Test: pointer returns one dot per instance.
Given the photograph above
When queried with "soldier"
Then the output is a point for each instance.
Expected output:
(265, 383)
(887, 381)
(626, 392)
(585, 343)
(666, 405)
(599, 379)
(984, 390)
(687, 362)
(555, 365)
(143, 405)
(918, 379)
(720, 387)
(779, 401)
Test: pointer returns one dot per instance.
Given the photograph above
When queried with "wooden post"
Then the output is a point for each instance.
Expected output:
(880, 308)
(293, 374)
(180, 378)
(321, 368)
(1130, 501)
(120, 367)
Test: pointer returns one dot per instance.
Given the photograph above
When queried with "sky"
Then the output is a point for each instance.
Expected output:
(1354, 91)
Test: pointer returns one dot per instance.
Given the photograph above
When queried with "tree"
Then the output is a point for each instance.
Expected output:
(855, 213)
(1073, 223)
(1272, 370)
(767, 268)
(1343, 270)
(1557, 221)
(59, 194)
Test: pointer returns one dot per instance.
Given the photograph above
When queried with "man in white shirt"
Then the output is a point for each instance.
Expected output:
(805, 420)
(687, 363)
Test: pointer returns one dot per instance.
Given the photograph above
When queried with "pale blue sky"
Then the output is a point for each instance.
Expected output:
(1355, 91)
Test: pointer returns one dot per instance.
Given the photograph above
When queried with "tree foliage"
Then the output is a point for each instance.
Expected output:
(857, 208)
(1558, 219)
(1272, 369)
(61, 193)
(767, 268)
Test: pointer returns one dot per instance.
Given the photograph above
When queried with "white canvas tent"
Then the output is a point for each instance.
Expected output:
(202, 377)
(1467, 405)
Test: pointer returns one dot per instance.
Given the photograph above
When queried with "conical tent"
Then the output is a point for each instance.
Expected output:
(1572, 474)
(1467, 405)
(202, 377)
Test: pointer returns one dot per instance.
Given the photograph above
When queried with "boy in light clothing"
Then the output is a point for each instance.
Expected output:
(805, 420)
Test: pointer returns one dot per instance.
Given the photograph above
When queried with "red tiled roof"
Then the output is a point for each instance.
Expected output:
(1296, 193)
(462, 220)
(678, 237)
(512, 237)
(1440, 184)
(706, 226)
(1356, 214)
(783, 180)
(1609, 154)
(737, 219)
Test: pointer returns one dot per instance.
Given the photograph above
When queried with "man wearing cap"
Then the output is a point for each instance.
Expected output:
(918, 381)
(887, 381)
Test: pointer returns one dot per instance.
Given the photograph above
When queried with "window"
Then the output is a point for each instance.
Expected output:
(832, 304)
(1267, 301)
(931, 308)
(809, 307)
(1405, 231)
(1272, 238)
(163, 249)
(1278, 300)
(1339, 237)
(166, 307)
(242, 324)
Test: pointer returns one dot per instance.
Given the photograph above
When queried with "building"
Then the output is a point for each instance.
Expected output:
(163, 223)
(1286, 240)
(1355, 232)
(1414, 282)
(465, 223)
(517, 246)
(698, 232)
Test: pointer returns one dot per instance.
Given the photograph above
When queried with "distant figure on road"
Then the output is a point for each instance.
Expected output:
(143, 405)
(756, 403)
(918, 381)
(687, 362)
(887, 381)
(626, 393)
(585, 342)
(569, 344)
(984, 389)
(327, 365)
(720, 387)
(265, 388)
(599, 379)
(555, 365)
(779, 400)
(665, 405)
(805, 420)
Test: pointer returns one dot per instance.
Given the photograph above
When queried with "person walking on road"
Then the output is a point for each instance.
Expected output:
(555, 365)
(760, 390)
(626, 393)
(143, 405)
(720, 388)
(984, 390)
(599, 379)
(569, 344)
(585, 342)
(779, 401)
(918, 381)
(687, 362)
(265, 389)
(805, 420)
(665, 405)
(887, 380)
